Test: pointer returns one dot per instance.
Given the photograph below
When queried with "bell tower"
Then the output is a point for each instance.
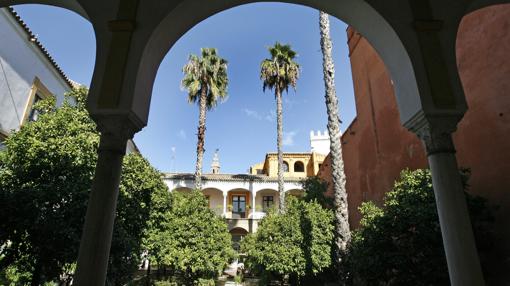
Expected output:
(215, 166)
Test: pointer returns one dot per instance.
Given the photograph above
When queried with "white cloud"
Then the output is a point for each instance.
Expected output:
(173, 149)
(288, 138)
(271, 116)
(181, 134)
(252, 113)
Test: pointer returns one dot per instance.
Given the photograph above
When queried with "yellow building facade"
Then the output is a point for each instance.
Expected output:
(295, 165)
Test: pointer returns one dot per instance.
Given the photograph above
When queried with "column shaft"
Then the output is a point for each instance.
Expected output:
(459, 244)
(98, 228)
(224, 205)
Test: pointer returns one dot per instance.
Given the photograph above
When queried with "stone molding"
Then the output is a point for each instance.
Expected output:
(435, 131)
(115, 131)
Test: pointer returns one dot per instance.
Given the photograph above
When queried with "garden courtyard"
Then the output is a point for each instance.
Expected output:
(166, 142)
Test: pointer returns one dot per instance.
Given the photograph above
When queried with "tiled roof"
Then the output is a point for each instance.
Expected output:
(32, 38)
(227, 177)
(290, 153)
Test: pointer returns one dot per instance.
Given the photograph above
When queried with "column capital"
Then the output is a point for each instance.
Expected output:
(118, 125)
(115, 131)
(435, 131)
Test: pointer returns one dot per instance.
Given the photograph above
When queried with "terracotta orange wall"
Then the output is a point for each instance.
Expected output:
(376, 147)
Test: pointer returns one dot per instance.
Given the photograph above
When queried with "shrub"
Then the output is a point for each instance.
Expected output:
(401, 243)
(294, 243)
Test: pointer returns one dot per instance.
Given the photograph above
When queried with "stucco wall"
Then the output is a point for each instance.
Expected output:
(21, 61)
(376, 147)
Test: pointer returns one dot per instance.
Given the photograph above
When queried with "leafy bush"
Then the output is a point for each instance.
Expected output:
(46, 171)
(401, 244)
(194, 241)
(165, 283)
(294, 243)
(315, 189)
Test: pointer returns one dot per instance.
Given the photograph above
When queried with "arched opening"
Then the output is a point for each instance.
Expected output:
(215, 199)
(285, 167)
(299, 166)
(266, 200)
(238, 235)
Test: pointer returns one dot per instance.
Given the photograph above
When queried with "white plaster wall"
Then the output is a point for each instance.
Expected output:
(226, 186)
(21, 62)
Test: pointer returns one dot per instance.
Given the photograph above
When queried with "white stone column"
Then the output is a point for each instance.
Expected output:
(225, 204)
(98, 228)
(459, 244)
(253, 201)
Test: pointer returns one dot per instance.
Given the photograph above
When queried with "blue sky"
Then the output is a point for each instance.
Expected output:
(244, 126)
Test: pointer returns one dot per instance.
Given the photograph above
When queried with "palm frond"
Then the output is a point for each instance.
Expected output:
(209, 72)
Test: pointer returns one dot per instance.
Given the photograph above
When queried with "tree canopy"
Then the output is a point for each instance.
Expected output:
(280, 71)
(401, 244)
(206, 74)
(45, 175)
(294, 243)
(194, 242)
(46, 171)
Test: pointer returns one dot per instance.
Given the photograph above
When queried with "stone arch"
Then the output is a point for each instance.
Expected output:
(73, 5)
(359, 14)
(215, 199)
(263, 201)
(286, 167)
(238, 234)
(299, 166)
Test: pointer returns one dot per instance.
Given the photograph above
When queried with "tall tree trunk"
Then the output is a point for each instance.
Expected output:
(279, 134)
(201, 139)
(342, 231)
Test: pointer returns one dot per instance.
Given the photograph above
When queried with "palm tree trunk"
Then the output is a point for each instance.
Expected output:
(279, 134)
(201, 139)
(342, 231)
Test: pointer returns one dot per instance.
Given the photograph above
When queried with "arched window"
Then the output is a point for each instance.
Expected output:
(299, 166)
(285, 166)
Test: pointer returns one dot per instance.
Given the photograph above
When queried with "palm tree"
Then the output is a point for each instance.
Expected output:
(342, 231)
(278, 73)
(206, 81)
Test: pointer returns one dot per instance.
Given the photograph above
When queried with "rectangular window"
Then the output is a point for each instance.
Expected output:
(239, 205)
(3, 136)
(267, 202)
(38, 92)
(34, 114)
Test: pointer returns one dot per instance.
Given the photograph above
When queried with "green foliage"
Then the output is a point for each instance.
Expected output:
(208, 72)
(315, 190)
(165, 283)
(296, 242)
(141, 191)
(401, 243)
(45, 176)
(195, 242)
(280, 71)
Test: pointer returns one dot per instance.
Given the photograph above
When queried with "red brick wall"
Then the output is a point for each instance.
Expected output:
(376, 147)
